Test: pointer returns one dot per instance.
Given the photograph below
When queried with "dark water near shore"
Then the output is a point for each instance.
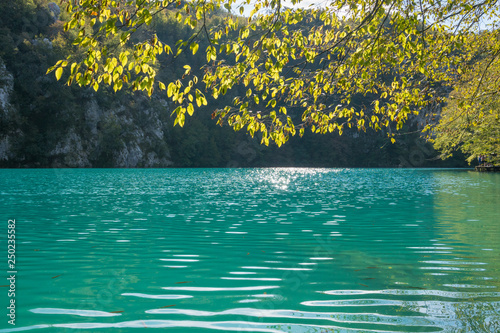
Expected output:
(254, 250)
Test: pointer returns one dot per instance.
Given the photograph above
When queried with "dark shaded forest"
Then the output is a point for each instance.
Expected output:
(45, 123)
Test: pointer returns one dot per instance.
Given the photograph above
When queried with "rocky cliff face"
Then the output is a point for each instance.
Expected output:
(113, 138)
(101, 134)
(6, 89)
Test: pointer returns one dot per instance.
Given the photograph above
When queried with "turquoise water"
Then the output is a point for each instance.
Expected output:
(253, 250)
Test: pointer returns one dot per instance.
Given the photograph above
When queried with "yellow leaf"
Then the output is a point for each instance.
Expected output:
(190, 109)
(59, 72)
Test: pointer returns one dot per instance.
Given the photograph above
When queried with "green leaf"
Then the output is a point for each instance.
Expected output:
(171, 89)
(182, 118)
(190, 109)
(59, 72)
(198, 99)
(194, 47)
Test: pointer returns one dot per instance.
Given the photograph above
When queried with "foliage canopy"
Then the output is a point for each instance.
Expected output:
(300, 67)
(471, 120)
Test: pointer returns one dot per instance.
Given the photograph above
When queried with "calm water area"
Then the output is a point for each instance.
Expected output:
(252, 250)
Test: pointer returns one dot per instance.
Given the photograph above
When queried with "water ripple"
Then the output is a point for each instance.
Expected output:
(221, 288)
(361, 318)
(75, 312)
(157, 296)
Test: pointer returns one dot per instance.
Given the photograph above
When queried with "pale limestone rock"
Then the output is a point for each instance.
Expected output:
(6, 88)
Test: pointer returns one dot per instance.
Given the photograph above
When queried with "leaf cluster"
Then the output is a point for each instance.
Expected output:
(301, 68)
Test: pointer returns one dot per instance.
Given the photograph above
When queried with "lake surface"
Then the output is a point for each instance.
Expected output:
(253, 250)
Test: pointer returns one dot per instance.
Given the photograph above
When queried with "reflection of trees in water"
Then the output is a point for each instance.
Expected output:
(466, 208)
(466, 316)
(479, 317)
